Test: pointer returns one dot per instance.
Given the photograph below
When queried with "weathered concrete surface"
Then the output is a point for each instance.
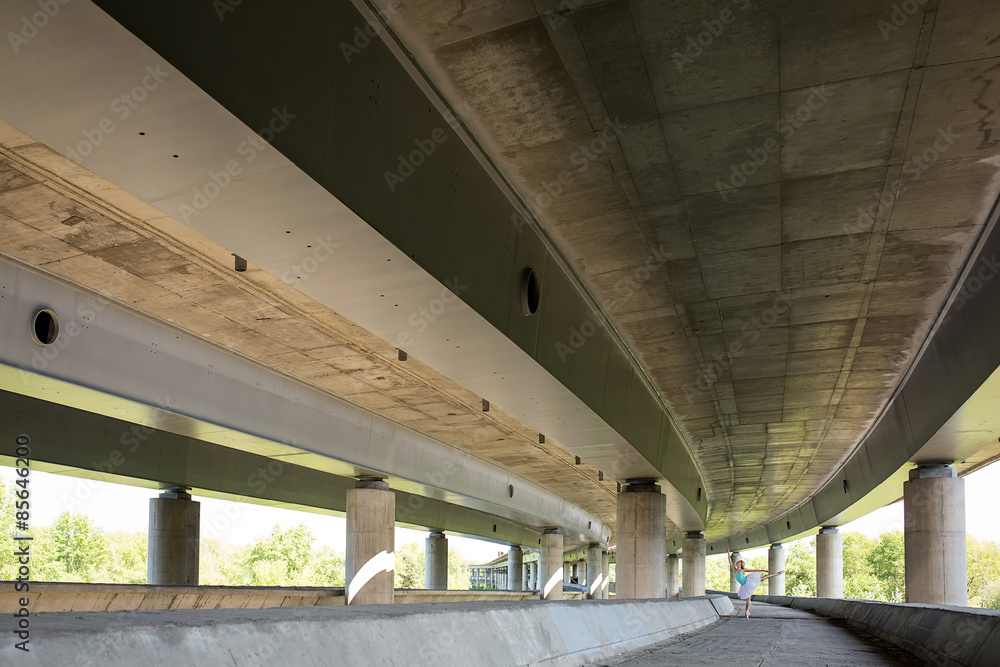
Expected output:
(772, 236)
(47, 598)
(773, 636)
(561, 633)
(944, 636)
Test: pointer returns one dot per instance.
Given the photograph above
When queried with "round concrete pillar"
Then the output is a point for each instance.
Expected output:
(370, 562)
(642, 542)
(605, 575)
(515, 557)
(934, 536)
(436, 562)
(776, 563)
(693, 574)
(173, 541)
(550, 567)
(533, 575)
(594, 578)
(525, 576)
(829, 563)
(673, 575)
(734, 585)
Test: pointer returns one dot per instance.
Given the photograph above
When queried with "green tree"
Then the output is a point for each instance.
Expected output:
(983, 572)
(280, 558)
(78, 546)
(458, 572)
(885, 563)
(327, 568)
(126, 561)
(800, 569)
(410, 566)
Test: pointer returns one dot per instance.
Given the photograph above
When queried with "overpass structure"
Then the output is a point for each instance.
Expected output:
(664, 277)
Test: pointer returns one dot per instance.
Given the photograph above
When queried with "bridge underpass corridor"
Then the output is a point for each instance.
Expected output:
(774, 637)
(619, 286)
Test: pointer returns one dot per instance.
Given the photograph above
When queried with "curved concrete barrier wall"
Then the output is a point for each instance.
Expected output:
(503, 633)
(945, 636)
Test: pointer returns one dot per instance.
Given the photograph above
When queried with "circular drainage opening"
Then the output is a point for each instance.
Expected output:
(531, 292)
(45, 327)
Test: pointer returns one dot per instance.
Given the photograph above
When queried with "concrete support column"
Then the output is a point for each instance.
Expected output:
(934, 536)
(829, 563)
(515, 557)
(533, 575)
(582, 573)
(605, 575)
(673, 575)
(776, 563)
(595, 581)
(734, 585)
(525, 577)
(693, 552)
(436, 562)
(567, 572)
(642, 542)
(371, 523)
(550, 566)
(173, 543)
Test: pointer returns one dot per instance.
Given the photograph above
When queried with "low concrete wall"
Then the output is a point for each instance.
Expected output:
(945, 636)
(502, 633)
(54, 597)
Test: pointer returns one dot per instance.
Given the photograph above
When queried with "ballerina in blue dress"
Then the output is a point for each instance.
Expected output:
(749, 579)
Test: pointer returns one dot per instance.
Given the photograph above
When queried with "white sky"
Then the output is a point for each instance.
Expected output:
(119, 507)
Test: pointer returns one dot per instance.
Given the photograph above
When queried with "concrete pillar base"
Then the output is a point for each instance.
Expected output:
(174, 534)
(776, 563)
(371, 524)
(642, 542)
(515, 557)
(436, 562)
(934, 536)
(829, 563)
(693, 553)
(550, 566)
(673, 575)
(595, 580)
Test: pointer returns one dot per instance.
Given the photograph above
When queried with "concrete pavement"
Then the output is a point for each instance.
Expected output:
(773, 636)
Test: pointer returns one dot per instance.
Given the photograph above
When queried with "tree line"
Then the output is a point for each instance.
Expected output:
(75, 549)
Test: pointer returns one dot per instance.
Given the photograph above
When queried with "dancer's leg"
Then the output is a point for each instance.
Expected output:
(748, 608)
(771, 575)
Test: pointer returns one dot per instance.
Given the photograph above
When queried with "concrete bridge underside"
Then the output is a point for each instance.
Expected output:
(766, 264)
